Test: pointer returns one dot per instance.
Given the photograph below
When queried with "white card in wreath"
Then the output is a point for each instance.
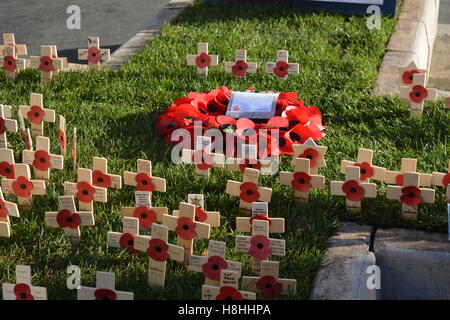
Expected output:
(252, 105)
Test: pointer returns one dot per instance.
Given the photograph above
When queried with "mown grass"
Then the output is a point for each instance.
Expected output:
(115, 115)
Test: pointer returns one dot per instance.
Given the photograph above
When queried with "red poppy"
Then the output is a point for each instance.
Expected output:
(229, 293)
(186, 228)
(126, 241)
(287, 98)
(22, 291)
(3, 128)
(411, 196)
(285, 144)
(144, 182)
(281, 69)
(6, 170)
(202, 160)
(85, 192)
(300, 133)
(399, 179)
(46, 64)
(3, 210)
(213, 267)
(353, 191)
(100, 179)
(246, 129)
(158, 250)
(36, 114)
(200, 215)
(41, 160)
(239, 68)
(259, 247)
(94, 55)
(418, 94)
(9, 63)
(22, 187)
(66, 219)
(311, 154)
(445, 180)
(145, 215)
(247, 163)
(62, 139)
(203, 60)
(408, 76)
(249, 192)
(269, 287)
(366, 170)
(104, 294)
(301, 182)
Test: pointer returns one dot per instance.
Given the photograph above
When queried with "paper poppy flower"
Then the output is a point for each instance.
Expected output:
(126, 241)
(36, 114)
(22, 187)
(301, 182)
(229, 293)
(411, 196)
(104, 294)
(3, 128)
(62, 139)
(281, 69)
(353, 191)
(186, 228)
(287, 98)
(22, 291)
(9, 63)
(65, 219)
(247, 163)
(200, 215)
(144, 182)
(213, 267)
(6, 170)
(246, 129)
(311, 154)
(408, 76)
(445, 180)
(366, 170)
(41, 160)
(94, 55)
(249, 192)
(100, 179)
(46, 64)
(3, 210)
(269, 287)
(399, 179)
(85, 192)
(202, 160)
(239, 68)
(203, 60)
(418, 94)
(285, 145)
(158, 250)
(259, 247)
(145, 215)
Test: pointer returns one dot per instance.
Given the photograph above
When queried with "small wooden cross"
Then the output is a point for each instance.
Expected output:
(364, 161)
(228, 288)
(62, 136)
(202, 157)
(143, 211)
(101, 177)
(105, 289)
(7, 209)
(143, 179)
(353, 189)
(417, 93)
(69, 219)
(269, 285)
(315, 153)
(302, 180)
(36, 114)
(441, 179)
(249, 159)
(9, 40)
(22, 186)
(25, 133)
(6, 124)
(7, 163)
(47, 63)
(260, 211)
(248, 191)
(240, 67)
(23, 289)
(281, 68)
(407, 165)
(11, 64)
(186, 228)
(202, 59)
(93, 54)
(74, 147)
(84, 191)
(406, 73)
(410, 194)
(125, 239)
(201, 215)
(41, 159)
(212, 264)
(159, 250)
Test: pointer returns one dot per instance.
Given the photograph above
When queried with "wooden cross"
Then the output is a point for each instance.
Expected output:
(47, 63)
(41, 159)
(281, 68)
(302, 180)
(101, 177)
(93, 54)
(212, 264)
(126, 238)
(259, 245)
(143, 211)
(23, 289)
(249, 159)
(410, 194)
(186, 228)
(417, 93)
(353, 189)
(6, 124)
(74, 147)
(36, 114)
(443, 180)
(202, 59)
(407, 165)
(248, 191)
(62, 136)
(12, 64)
(9, 40)
(7, 163)
(22, 186)
(84, 191)
(240, 67)
(202, 157)
(364, 161)
(69, 219)
(159, 250)
(406, 73)
(7, 209)
(228, 288)
(201, 215)
(260, 211)
(25, 133)
(143, 179)
(105, 289)
(315, 153)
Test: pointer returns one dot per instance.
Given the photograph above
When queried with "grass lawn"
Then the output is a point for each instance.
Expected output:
(115, 115)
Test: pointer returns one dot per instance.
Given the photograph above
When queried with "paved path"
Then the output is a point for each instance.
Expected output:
(37, 22)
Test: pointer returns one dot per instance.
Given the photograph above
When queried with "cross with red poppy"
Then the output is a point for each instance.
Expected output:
(69, 219)
(85, 191)
(313, 152)
(441, 179)
(36, 114)
(125, 239)
(101, 177)
(353, 189)
(23, 289)
(7, 209)
(410, 194)
(281, 68)
(302, 181)
(240, 67)
(48, 63)
(12, 64)
(62, 137)
(203, 160)
(159, 250)
(41, 159)
(25, 133)
(269, 285)
(249, 159)
(260, 211)
(144, 211)
(406, 73)
(248, 190)
(201, 215)
(416, 94)
(105, 289)
(202, 60)
(9, 40)
(143, 179)
(364, 161)
(22, 185)
(7, 163)
(93, 54)
(6, 124)
(228, 288)
(407, 165)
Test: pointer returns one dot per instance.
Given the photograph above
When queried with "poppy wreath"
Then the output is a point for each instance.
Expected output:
(206, 110)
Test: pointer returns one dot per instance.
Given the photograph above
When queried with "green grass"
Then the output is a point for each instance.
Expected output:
(115, 115)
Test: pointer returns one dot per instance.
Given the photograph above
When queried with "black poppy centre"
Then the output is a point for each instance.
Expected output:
(353, 190)
(260, 245)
